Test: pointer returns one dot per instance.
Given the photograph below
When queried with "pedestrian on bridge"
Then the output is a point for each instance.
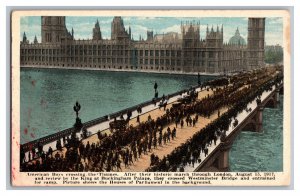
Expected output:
(181, 123)
(206, 151)
(173, 133)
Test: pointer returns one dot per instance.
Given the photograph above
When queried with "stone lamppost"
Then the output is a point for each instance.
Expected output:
(78, 124)
(155, 90)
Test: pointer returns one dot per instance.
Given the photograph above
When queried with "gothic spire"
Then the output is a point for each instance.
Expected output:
(97, 24)
(129, 31)
(35, 40)
(24, 37)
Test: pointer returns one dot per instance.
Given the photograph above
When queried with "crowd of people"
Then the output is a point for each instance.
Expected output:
(123, 147)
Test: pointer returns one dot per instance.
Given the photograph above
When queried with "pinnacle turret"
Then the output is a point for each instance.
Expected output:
(35, 40)
(97, 24)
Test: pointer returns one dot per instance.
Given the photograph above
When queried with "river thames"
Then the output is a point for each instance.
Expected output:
(48, 96)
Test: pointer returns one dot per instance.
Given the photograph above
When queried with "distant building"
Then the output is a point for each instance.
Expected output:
(237, 39)
(170, 52)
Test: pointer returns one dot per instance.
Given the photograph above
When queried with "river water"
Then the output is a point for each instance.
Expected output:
(253, 152)
(48, 96)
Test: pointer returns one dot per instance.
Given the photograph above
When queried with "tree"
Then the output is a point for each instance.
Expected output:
(273, 54)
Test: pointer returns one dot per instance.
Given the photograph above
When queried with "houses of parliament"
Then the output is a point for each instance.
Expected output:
(184, 52)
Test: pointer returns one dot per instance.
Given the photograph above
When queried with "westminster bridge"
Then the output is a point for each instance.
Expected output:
(216, 157)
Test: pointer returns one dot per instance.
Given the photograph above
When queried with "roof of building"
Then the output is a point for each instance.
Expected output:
(237, 39)
(168, 37)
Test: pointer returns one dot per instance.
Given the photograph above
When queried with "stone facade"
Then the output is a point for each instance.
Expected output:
(256, 42)
(170, 52)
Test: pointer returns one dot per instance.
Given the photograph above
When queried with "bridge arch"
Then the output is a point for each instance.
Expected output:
(250, 126)
(271, 103)
(281, 90)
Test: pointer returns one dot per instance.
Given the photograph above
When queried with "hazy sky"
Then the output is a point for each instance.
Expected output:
(83, 26)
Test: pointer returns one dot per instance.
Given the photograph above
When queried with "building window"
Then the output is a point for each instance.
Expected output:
(156, 53)
(48, 37)
(173, 53)
(151, 52)
(167, 53)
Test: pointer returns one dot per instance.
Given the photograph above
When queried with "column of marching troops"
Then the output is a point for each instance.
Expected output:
(123, 148)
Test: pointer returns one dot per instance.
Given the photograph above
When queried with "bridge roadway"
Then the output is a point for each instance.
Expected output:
(147, 110)
(151, 110)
